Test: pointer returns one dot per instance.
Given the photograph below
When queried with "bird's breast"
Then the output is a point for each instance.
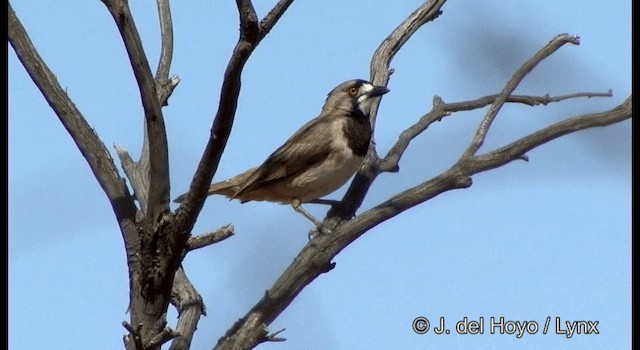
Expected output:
(357, 133)
(326, 177)
(341, 163)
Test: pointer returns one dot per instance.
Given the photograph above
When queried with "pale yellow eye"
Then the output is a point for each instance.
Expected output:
(353, 91)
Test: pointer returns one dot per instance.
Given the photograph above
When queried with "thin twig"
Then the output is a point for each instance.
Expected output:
(461, 172)
(138, 175)
(164, 336)
(273, 337)
(134, 339)
(441, 110)
(523, 99)
(267, 23)
(166, 34)
(384, 54)
(207, 239)
(164, 84)
(545, 52)
(517, 149)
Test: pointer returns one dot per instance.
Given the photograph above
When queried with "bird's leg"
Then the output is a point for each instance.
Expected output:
(297, 206)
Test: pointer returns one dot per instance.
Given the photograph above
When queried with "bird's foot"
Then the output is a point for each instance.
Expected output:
(318, 230)
(320, 227)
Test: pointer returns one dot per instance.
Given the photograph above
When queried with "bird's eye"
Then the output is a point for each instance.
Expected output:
(353, 91)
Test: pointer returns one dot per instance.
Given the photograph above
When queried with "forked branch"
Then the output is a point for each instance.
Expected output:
(545, 52)
(158, 194)
(442, 110)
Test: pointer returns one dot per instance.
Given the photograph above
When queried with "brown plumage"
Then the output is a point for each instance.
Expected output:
(319, 158)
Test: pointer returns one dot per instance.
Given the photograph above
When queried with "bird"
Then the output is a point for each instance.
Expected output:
(317, 159)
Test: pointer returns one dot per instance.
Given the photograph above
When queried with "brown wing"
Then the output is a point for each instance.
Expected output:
(307, 147)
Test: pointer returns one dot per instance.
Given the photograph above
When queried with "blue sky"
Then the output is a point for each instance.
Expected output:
(546, 238)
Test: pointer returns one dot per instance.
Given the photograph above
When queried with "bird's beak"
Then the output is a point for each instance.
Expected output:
(377, 91)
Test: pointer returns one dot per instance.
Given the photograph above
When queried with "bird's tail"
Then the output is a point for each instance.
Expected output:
(222, 188)
(228, 188)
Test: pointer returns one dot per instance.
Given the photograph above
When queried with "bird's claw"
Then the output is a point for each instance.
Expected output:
(319, 230)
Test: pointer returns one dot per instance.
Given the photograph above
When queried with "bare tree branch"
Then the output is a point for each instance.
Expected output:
(184, 296)
(517, 149)
(273, 16)
(207, 239)
(522, 99)
(248, 19)
(470, 166)
(132, 341)
(150, 180)
(545, 52)
(102, 164)
(138, 172)
(158, 200)
(251, 33)
(164, 85)
(190, 306)
(441, 110)
(88, 142)
(387, 50)
(142, 172)
(390, 161)
(166, 34)
(380, 71)
(273, 337)
(162, 337)
(223, 121)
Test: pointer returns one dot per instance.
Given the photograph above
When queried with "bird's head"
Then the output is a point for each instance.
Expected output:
(354, 96)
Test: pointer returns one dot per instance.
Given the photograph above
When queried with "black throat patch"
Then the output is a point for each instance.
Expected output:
(357, 130)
